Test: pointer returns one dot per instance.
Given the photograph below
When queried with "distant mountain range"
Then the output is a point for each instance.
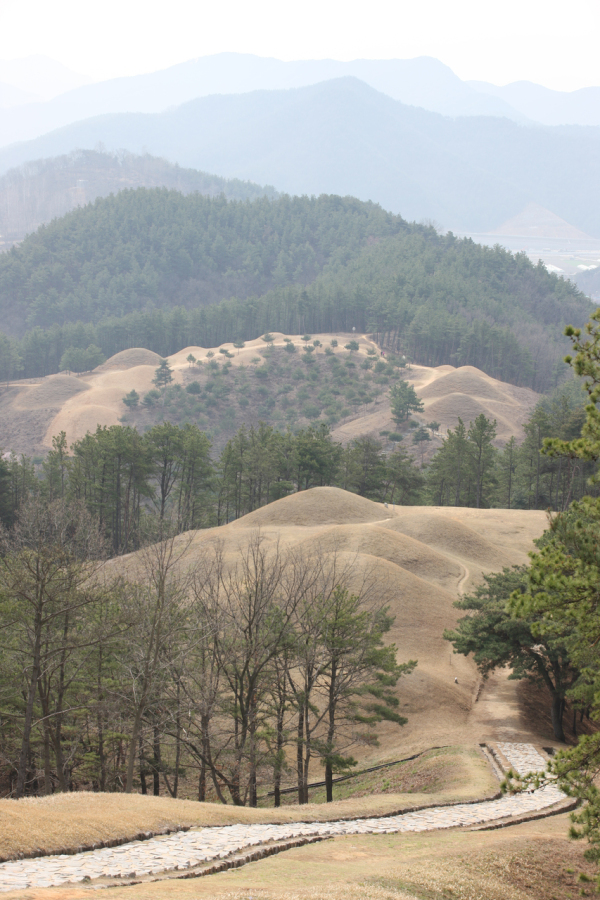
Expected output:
(342, 136)
(534, 221)
(424, 82)
(547, 107)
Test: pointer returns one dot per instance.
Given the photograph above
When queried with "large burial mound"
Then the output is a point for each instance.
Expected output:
(422, 558)
(449, 394)
(32, 413)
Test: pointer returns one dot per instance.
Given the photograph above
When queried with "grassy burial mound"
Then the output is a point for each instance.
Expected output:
(416, 560)
(421, 559)
(448, 394)
(233, 385)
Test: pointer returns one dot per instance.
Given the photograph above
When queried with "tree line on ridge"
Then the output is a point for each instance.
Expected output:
(156, 269)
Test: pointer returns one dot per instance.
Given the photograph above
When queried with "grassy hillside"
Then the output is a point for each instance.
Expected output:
(284, 388)
(157, 269)
(39, 191)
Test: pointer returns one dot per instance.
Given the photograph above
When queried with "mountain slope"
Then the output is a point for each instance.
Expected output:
(156, 268)
(40, 191)
(159, 248)
(343, 137)
(581, 107)
(422, 82)
(535, 221)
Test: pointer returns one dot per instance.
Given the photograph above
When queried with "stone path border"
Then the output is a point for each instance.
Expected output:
(203, 851)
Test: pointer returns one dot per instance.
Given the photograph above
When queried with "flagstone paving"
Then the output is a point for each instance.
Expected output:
(184, 850)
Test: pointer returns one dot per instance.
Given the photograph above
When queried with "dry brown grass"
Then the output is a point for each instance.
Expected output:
(422, 558)
(52, 392)
(324, 506)
(447, 393)
(65, 822)
(532, 861)
(128, 359)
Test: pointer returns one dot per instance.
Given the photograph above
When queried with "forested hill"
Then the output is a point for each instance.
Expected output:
(39, 191)
(156, 269)
(159, 248)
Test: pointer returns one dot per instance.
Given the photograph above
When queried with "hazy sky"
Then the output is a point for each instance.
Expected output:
(550, 42)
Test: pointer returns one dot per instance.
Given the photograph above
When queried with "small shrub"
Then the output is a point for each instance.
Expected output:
(394, 436)
(306, 338)
(328, 351)
(333, 342)
(194, 388)
(311, 411)
(291, 348)
(151, 397)
(210, 354)
(351, 345)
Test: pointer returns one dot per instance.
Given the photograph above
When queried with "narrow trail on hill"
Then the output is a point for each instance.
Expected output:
(204, 851)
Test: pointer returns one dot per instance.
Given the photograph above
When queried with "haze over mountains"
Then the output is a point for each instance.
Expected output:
(35, 79)
(406, 133)
(344, 137)
(40, 191)
(423, 82)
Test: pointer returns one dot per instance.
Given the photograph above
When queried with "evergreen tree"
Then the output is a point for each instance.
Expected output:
(497, 639)
(404, 400)
(481, 450)
(163, 375)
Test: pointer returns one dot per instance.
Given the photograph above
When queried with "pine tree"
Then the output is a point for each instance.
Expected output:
(163, 375)
(404, 400)
(482, 453)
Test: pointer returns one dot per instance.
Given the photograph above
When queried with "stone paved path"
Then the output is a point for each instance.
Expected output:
(184, 850)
